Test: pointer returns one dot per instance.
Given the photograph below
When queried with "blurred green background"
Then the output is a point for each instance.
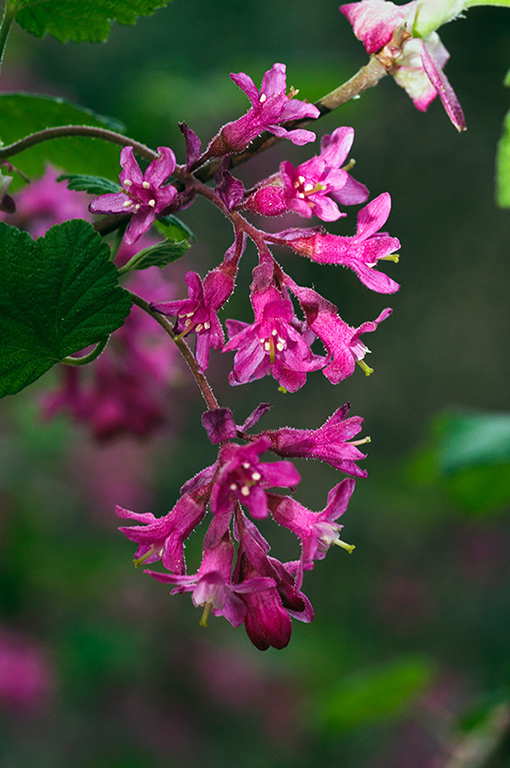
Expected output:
(409, 652)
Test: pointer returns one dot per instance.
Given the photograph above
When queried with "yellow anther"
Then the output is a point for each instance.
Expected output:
(143, 558)
(360, 442)
(344, 545)
(146, 185)
(205, 614)
(365, 368)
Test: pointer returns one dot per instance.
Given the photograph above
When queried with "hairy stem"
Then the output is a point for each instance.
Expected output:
(77, 130)
(203, 384)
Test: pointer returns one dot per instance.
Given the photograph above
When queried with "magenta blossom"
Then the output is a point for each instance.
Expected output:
(199, 313)
(142, 194)
(212, 586)
(268, 618)
(271, 106)
(313, 186)
(331, 442)
(342, 342)
(417, 65)
(162, 538)
(316, 530)
(243, 477)
(277, 343)
(360, 252)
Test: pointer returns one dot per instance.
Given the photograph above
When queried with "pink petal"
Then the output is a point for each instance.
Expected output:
(161, 168)
(374, 215)
(247, 85)
(130, 168)
(444, 89)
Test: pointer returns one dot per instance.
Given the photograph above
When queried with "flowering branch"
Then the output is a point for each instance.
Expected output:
(366, 77)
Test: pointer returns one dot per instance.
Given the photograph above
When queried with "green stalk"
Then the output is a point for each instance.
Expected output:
(10, 11)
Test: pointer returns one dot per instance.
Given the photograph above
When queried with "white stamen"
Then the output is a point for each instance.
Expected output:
(301, 179)
(280, 346)
(246, 464)
(263, 97)
(128, 183)
(127, 203)
(245, 491)
(256, 476)
(137, 207)
(199, 328)
(207, 326)
(267, 346)
(308, 187)
(233, 487)
(274, 332)
(146, 185)
(152, 203)
(301, 195)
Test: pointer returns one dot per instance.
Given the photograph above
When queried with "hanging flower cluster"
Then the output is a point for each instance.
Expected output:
(294, 332)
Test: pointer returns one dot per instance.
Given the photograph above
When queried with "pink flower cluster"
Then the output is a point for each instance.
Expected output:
(238, 577)
(245, 584)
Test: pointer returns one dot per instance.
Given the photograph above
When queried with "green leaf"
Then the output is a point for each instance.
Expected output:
(174, 228)
(503, 165)
(22, 114)
(482, 490)
(158, 255)
(81, 20)
(95, 185)
(375, 694)
(57, 295)
(472, 439)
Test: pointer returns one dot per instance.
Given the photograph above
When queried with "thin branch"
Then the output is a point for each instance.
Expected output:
(203, 384)
(91, 131)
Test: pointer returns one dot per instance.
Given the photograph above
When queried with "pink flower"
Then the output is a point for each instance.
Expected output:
(243, 477)
(316, 530)
(360, 252)
(330, 443)
(212, 585)
(199, 313)
(309, 188)
(342, 342)
(162, 538)
(142, 195)
(274, 344)
(270, 107)
(418, 65)
(269, 611)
